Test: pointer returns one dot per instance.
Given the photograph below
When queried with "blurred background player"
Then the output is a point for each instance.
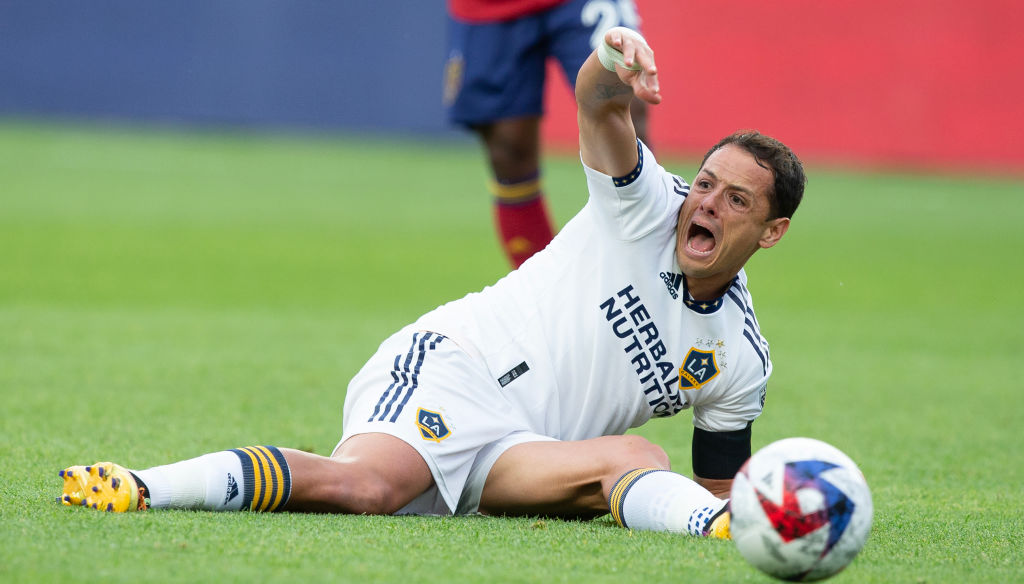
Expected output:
(494, 85)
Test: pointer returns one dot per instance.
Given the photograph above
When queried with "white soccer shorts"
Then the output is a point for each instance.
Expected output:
(424, 389)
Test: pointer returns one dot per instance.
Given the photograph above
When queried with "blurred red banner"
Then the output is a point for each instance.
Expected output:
(910, 84)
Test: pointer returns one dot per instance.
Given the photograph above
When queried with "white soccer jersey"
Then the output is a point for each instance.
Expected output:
(596, 334)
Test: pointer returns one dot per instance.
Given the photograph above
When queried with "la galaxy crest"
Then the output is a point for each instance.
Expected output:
(699, 367)
(431, 425)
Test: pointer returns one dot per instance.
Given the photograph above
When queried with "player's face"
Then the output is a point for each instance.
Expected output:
(724, 220)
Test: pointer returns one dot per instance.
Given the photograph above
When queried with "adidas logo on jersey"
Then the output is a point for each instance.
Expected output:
(672, 283)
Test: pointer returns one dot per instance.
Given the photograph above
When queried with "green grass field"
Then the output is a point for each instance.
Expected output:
(163, 295)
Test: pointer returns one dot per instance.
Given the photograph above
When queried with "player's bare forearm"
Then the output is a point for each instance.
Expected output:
(603, 96)
(600, 92)
(718, 487)
(607, 136)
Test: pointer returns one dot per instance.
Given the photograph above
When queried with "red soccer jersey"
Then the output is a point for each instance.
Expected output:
(497, 10)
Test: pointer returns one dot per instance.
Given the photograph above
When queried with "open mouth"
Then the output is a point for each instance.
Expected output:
(700, 240)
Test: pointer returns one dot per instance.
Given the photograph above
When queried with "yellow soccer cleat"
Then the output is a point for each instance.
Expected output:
(718, 525)
(104, 486)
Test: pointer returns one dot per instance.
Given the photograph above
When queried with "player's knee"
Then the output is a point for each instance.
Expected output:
(513, 147)
(510, 151)
(632, 451)
(378, 498)
(366, 496)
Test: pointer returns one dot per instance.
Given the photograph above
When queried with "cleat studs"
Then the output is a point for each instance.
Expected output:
(115, 483)
(88, 469)
(61, 473)
(110, 506)
(95, 489)
(84, 503)
(102, 472)
(71, 473)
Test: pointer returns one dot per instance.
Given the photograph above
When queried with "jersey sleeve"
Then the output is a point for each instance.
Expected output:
(734, 410)
(636, 204)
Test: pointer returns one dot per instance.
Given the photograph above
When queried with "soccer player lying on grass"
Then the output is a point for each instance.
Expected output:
(514, 400)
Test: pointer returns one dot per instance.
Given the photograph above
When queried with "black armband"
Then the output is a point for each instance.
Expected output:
(719, 455)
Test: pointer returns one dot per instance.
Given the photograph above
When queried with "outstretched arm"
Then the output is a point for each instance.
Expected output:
(603, 95)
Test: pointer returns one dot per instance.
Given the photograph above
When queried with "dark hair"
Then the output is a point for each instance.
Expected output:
(776, 157)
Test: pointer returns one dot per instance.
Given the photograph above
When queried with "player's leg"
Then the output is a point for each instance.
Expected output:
(254, 478)
(372, 474)
(565, 478)
(625, 475)
(520, 210)
(494, 86)
(369, 473)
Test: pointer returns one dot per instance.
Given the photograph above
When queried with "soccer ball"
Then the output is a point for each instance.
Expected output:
(801, 510)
